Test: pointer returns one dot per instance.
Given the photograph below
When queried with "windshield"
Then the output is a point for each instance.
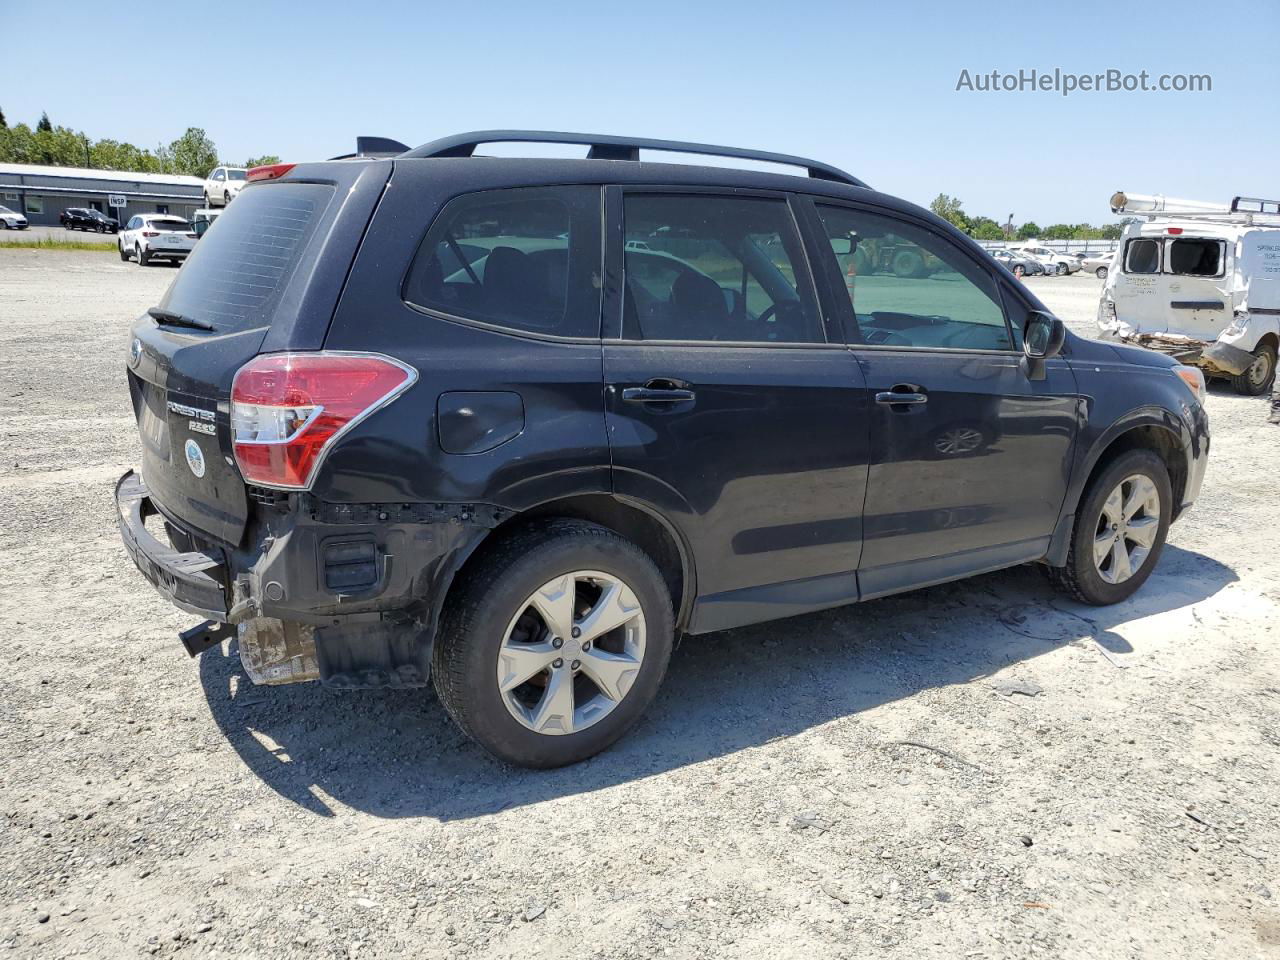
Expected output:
(236, 174)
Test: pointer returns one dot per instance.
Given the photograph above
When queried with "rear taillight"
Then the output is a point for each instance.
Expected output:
(288, 409)
(150, 233)
(193, 236)
(272, 171)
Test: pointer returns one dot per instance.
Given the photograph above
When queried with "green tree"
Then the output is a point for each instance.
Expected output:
(265, 160)
(949, 209)
(193, 153)
(3, 123)
(984, 228)
(1058, 231)
(44, 126)
(1029, 230)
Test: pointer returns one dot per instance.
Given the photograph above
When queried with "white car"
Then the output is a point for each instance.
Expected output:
(156, 236)
(223, 184)
(1098, 264)
(1054, 262)
(12, 220)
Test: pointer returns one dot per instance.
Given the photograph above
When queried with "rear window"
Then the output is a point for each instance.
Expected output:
(1142, 256)
(238, 271)
(179, 225)
(1195, 257)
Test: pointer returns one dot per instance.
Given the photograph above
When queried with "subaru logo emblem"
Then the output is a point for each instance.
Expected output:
(195, 458)
(135, 352)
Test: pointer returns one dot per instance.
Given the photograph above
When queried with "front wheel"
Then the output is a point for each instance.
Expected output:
(124, 254)
(1062, 270)
(555, 644)
(1101, 273)
(1019, 270)
(1261, 374)
(1120, 529)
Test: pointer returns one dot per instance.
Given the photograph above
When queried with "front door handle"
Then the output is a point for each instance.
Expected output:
(902, 393)
(659, 390)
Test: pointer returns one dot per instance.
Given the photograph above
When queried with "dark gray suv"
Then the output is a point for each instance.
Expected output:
(515, 425)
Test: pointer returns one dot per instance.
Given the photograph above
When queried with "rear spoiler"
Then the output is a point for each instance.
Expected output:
(374, 147)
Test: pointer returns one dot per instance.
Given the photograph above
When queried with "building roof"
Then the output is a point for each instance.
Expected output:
(84, 173)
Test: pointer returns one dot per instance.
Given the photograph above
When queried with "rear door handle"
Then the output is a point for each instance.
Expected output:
(659, 390)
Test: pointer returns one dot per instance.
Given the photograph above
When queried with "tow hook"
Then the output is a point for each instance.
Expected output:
(202, 636)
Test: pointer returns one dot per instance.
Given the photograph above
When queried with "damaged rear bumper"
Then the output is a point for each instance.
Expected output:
(194, 581)
(1213, 357)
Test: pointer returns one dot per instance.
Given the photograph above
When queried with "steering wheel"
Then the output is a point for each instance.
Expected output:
(769, 311)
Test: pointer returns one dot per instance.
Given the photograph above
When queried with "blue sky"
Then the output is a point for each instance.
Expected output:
(870, 87)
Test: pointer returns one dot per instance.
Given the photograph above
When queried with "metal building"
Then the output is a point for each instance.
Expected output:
(44, 192)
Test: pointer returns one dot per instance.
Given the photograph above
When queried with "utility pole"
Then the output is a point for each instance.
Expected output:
(87, 161)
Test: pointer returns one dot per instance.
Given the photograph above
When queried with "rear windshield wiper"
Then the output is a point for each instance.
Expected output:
(171, 319)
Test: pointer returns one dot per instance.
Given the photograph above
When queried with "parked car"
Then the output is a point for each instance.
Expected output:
(1098, 263)
(223, 184)
(412, 436)
(12, 219)
(156, 236)
(83, 218)
(1019, 266)
(1054, 262)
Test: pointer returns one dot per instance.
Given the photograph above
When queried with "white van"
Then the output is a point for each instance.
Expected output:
(1201, 282)
(202, 220)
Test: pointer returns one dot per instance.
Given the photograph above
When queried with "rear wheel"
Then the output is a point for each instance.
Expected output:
(1101, 273)
(143, 257)
(1019, 270)
(1062, 270)
(908, 263)
(1261, 374)
(1120, 529)
(555, 644)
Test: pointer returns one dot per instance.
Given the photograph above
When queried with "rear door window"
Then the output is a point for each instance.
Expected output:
(705, 268)
(527, 260)
(237, 273)
(1195, 257)
(1142, 256)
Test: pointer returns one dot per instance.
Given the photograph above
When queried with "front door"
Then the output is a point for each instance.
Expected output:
(727, 407)
(971, 457)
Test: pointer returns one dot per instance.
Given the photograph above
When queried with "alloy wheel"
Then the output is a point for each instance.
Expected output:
(958, 440)
(1127, 529)
(571, 652)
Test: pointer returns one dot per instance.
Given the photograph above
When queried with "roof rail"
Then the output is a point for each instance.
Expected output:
(604, 147)
(374, 147)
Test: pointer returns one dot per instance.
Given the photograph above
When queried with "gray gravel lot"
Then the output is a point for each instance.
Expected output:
(861, 782)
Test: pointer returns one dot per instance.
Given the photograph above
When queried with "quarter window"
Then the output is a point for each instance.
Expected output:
(703, 268)
(525, 259)
(909, 287)
(1142, 256)
(1195, 257)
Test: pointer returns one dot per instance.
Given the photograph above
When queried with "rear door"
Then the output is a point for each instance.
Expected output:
(728, 407)
(970, 457)
(268, 279)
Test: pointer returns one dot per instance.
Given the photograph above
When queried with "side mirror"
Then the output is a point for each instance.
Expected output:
(843, 246)
(1042, 337)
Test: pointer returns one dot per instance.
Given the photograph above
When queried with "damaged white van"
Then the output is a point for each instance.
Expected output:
(1200, 282)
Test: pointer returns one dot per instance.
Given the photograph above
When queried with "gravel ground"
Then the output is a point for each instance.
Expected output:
(979, 769)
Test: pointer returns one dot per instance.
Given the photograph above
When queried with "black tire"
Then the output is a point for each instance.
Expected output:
(143, 257)
(1019, 271)
(1101, 273)
(908, 264)
(1079, 577)
(123, 255)
(1253, 384)
(102, 228)
(479, 610)
(226, 198)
